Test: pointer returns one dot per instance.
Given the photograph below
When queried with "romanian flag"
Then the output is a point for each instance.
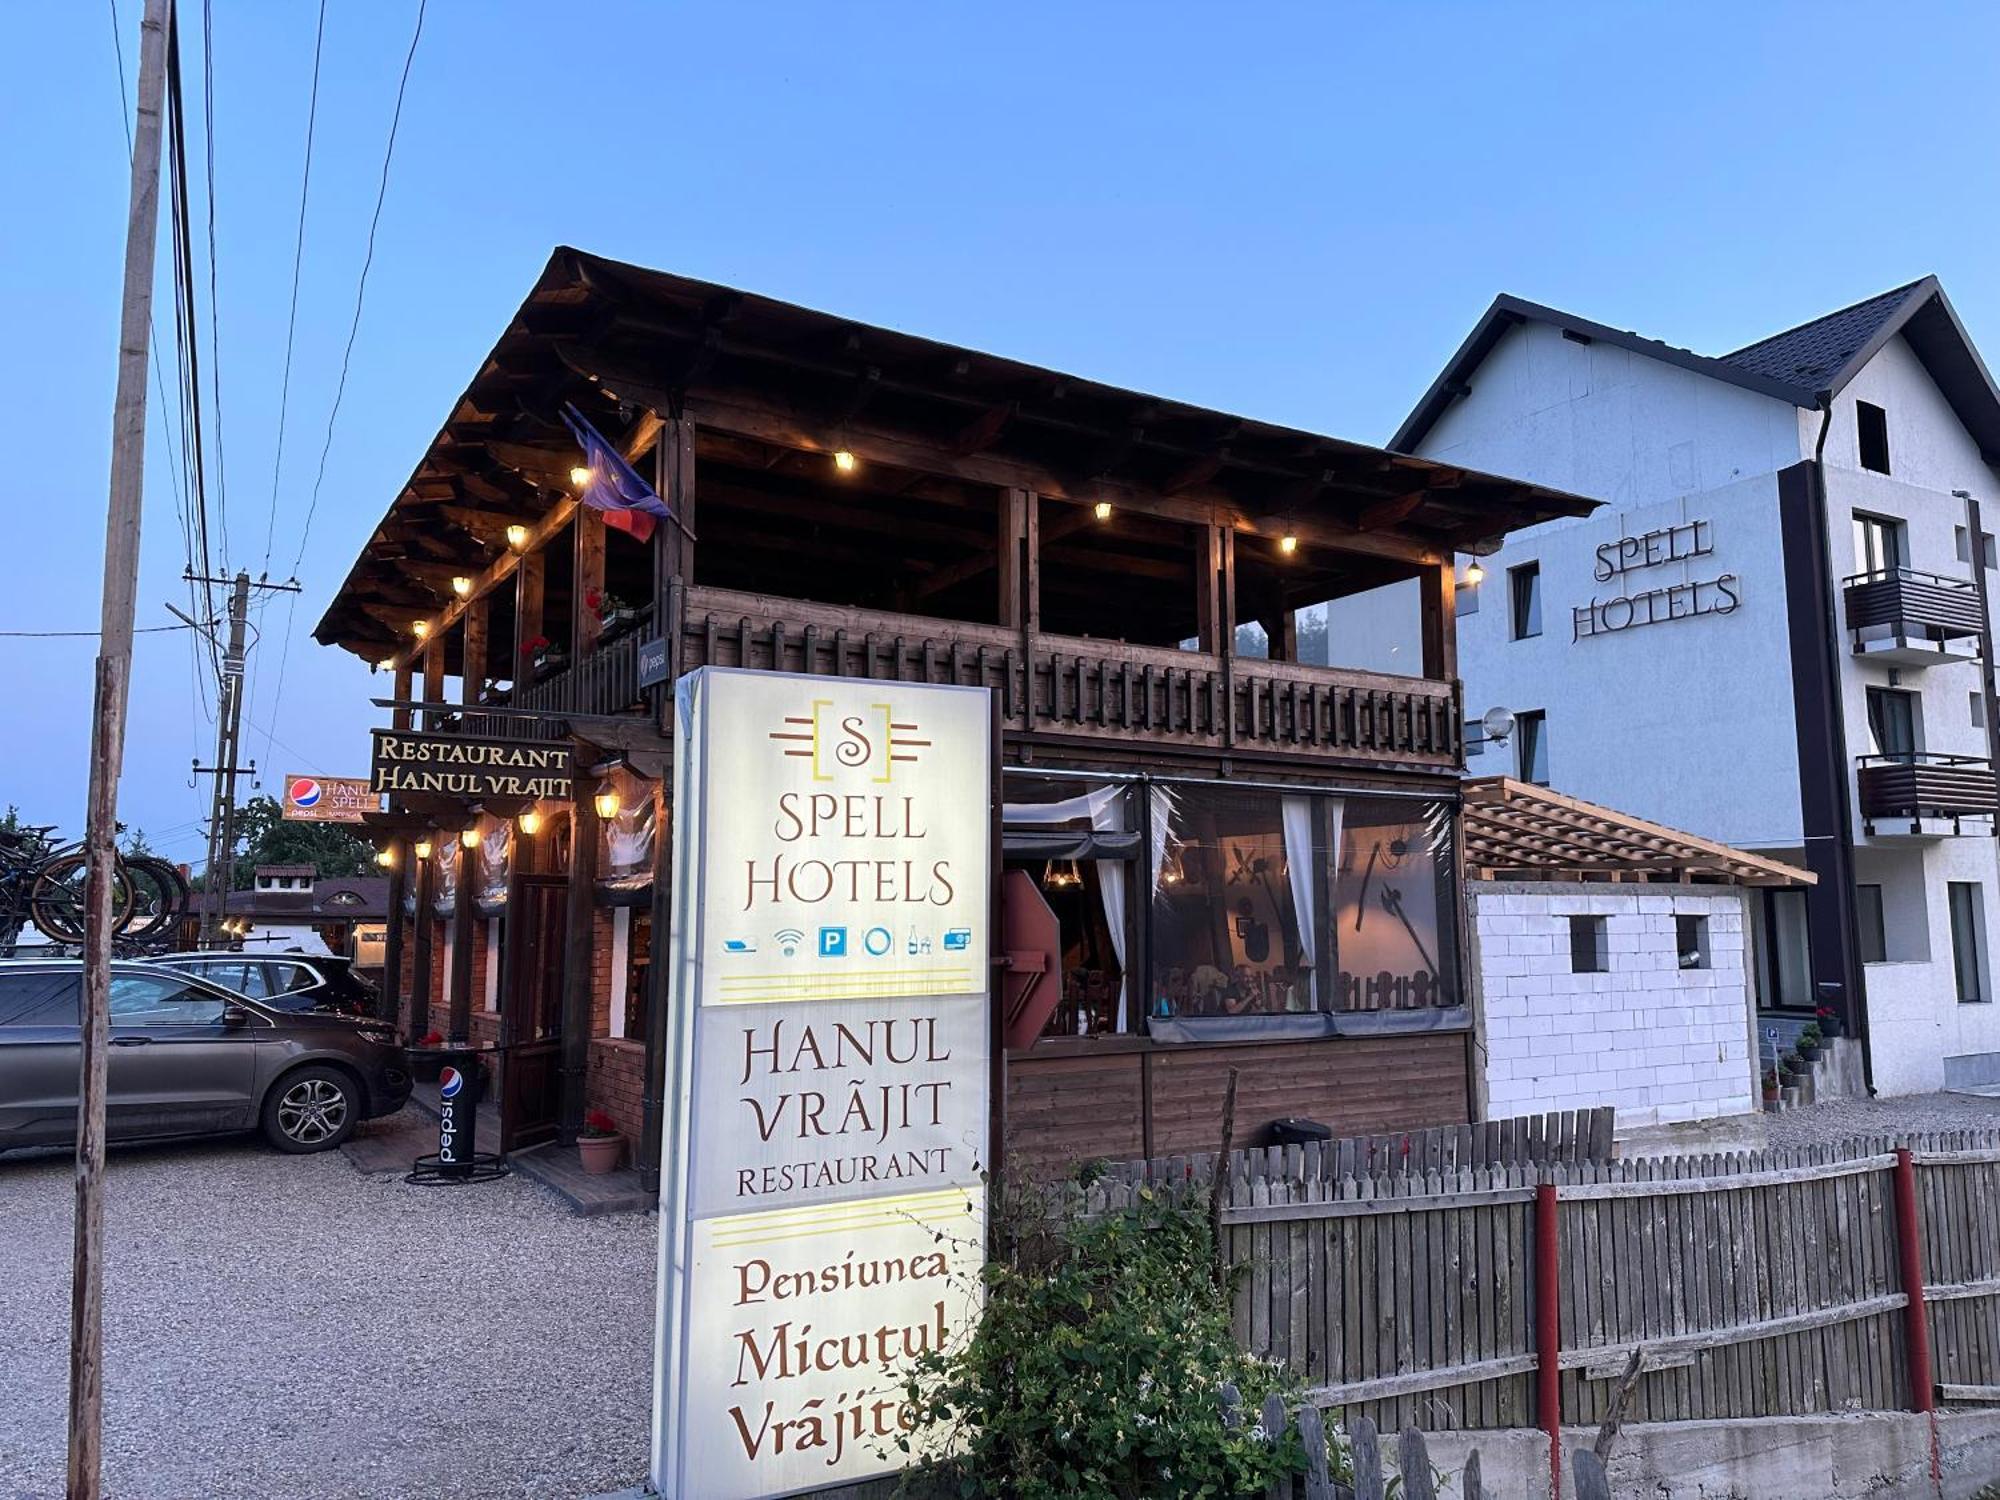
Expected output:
(614, 487)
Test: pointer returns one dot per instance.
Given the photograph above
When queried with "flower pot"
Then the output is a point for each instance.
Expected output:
(600, 1153)
(1832, 1026)
(1809, 1054)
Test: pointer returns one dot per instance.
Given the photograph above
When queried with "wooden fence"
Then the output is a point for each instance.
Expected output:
(1758, 1284)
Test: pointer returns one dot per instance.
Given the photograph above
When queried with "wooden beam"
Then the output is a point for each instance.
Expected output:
(1438, 604)
(1385, 513)
(530, 588)
(588, 573)
(982, 431)
(473, 652)
(433, 677)
(1009, 541)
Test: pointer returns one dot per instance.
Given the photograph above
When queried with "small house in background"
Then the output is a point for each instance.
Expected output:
(291, 908)
(1612, 961)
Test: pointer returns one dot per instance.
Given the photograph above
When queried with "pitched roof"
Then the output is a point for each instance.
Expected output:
(1513, 829)
(1806, 365)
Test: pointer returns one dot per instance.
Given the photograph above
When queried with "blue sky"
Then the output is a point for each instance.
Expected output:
(1289, 211)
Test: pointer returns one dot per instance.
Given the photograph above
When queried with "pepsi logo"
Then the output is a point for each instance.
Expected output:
(305, 792)
(450, 1082)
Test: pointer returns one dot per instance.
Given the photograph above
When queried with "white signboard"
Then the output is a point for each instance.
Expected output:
(823, 1219)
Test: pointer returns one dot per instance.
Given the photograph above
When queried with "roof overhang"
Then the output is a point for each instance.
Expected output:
(1520, 831)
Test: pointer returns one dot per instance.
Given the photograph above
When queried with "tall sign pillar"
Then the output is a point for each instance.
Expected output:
(823, 1218)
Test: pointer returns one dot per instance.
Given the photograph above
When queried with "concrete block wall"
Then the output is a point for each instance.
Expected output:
(1654, 1040)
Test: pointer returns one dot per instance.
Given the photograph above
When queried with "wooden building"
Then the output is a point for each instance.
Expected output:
(1251, 849)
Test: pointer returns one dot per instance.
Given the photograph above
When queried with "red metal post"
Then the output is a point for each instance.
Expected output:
(1548, 1330)
(1910, 1256)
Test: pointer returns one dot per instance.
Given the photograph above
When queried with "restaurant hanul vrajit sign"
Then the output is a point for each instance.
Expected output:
(457, 765)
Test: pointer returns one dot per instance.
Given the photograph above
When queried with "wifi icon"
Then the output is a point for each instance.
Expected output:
(789, 939)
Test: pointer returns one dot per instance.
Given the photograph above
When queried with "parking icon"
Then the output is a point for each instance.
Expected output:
(833, 942)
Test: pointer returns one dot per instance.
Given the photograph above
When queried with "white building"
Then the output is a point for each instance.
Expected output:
(1772, 634)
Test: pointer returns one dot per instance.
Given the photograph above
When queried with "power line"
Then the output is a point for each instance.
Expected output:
(214, 301)
(51, 634)
(298, 260)
(361, 289)
(346, 358)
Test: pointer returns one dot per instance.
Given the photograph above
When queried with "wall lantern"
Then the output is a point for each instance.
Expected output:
(607, 803)
(844, 461)
(517, 536)
(422, 849)
(1102, 510)
(461, 586)
(469, 838)
(420, 628)
(1288, 544)
(1498, 724)
(531, 822)
(1474, 573)
(386, 858)
(580, 476)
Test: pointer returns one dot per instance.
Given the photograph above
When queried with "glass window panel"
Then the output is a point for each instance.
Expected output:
(1967, 931)
(149, 1000)
(38, 1000)
(1395, 930)
(1874, 931)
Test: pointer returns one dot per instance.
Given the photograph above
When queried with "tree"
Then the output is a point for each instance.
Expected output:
(269, 838)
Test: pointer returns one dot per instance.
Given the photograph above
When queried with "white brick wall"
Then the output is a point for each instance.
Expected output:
(1655, 1040)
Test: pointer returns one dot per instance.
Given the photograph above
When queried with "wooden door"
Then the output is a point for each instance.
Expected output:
(531, 1011)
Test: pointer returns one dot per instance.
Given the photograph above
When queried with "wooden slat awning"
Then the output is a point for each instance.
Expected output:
(1514, 829)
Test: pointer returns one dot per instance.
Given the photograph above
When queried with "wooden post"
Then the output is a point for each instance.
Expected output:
(420, 953)
(579, 945)
(529, 575)
(392, 940)
(1439, 590)
(107, 759)
(1548, 1330)
(588, 579)
(1910, 1258)
(433, 680)
(459, 981)
(473, 652)
(1013, 531)
(400, 718)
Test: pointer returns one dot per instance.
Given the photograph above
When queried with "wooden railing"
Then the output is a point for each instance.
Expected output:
(1894, 787)
(1090, 688)
(1913, 603)
(606, 681)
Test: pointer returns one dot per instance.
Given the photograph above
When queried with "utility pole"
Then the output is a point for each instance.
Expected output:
(107, 759)
(228, 731)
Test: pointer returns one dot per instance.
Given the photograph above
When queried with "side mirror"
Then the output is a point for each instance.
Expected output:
(234, 1018)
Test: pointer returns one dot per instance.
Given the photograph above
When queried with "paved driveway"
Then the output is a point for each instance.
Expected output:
(286, 1326)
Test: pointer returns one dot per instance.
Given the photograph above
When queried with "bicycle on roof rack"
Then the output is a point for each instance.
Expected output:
(43, 882)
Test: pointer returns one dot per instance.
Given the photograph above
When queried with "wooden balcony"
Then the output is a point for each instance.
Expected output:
(1919, 794)
(1901, 617)
(1091, 689)
(606, 681)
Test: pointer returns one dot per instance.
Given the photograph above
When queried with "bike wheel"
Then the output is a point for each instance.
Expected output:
(60, 901)
(160, 897)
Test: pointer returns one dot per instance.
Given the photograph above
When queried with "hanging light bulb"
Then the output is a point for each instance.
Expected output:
(461, 585)
(607, 803)
(1172, 871)
(580, 476)
(1288, 544)
(1474, 573)
(420, 628)
(530, 822)
(1102, 510)
(422, 849)
(1061, 875)
(517, 536)
(844, 461)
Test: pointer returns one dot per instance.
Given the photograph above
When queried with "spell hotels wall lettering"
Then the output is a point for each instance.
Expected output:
(824, 1219)
(1637, 605)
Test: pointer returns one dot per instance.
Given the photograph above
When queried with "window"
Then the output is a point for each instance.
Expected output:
(1892, 721)
(1691, 940)
(1871, 426)
(288, 977)
(38, 999)
(638, 974)
(1878, 544)
(1589, 945)
(1468, 597)
(1874, 932)
(1524, 594)
(1531, 747)
(1475, 738)
(154, 1000)
(1961, 544)
(1978, 702)
(1968, 940)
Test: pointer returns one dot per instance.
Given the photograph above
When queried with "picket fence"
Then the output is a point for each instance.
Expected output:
(1753, 1284)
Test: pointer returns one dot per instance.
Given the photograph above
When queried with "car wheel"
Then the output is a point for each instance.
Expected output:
(314, 1109)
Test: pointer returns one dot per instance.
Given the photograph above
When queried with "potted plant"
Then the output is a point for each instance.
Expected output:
(614, 614)
(599, 1142)
(1829, 1022)
(543, 656)
(1808, 1044)
(1772, 1088)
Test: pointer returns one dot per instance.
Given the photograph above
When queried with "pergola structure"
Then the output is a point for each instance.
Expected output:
(1515, 830)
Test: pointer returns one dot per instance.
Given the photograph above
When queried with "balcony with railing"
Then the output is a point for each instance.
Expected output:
(1921, 796)
(1906, 618)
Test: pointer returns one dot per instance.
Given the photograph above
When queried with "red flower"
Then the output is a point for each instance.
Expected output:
(594, 599)
(598, 1122)
(535, 644)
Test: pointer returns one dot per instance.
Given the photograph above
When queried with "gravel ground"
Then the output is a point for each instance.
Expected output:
(286, 1326)
(1824, 1124)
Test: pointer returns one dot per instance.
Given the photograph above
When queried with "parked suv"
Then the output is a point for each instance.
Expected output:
(187, 1058)
(294, 982)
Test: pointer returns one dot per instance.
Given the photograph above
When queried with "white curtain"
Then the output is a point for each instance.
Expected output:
(1105, 807)
(1297, 813)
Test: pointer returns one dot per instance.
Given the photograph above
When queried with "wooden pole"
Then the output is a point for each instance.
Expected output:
(1910, 1259)
(1548, 1330)
(107, 759)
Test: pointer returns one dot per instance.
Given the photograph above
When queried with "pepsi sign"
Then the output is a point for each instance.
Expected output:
(328, 799)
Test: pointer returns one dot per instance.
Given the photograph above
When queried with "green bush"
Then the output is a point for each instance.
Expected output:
(1095, 1373)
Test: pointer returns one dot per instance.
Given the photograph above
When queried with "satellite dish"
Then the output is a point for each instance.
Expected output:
(1498, 724)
